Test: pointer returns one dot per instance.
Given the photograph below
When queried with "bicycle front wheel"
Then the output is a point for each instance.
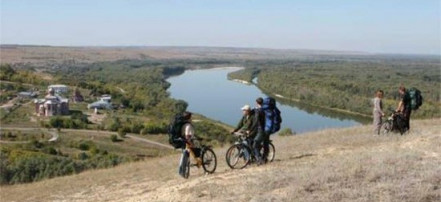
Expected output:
(237, 156)
(209, 161)
(185, 165)
(386, 127)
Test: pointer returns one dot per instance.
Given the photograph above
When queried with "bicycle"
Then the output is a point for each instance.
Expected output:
(394, 123)
(241, 154)
(207, 155)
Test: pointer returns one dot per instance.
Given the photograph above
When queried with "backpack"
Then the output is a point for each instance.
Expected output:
(273, 118)
(174, 131)
(416, 99)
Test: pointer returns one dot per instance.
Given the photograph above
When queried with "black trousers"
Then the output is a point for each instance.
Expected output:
(406, 116)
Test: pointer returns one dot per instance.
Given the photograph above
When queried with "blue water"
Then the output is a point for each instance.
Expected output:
(210, 93)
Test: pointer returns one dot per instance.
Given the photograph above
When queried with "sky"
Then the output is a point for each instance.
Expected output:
(376, 26)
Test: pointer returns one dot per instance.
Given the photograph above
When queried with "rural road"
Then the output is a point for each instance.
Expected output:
(9, 104)
(55, 135)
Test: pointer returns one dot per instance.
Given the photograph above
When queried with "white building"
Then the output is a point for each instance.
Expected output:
(105, 102)
(59, 88)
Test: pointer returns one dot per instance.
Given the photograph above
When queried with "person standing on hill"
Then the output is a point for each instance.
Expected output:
(378, 110)
(405, 106)
(262, 136)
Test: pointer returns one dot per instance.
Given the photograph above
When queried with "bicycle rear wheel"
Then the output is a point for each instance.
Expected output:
(271, 153)
(209, 160)
(237, 156)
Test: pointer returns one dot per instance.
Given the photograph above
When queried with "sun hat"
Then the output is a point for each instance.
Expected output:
(246, 108)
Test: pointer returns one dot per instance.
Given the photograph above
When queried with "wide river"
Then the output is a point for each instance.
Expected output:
(210, 93)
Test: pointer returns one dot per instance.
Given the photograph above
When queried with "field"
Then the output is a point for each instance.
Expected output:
(330, 165)
(53, 56)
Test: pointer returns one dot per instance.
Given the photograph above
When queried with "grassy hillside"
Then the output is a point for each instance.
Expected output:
(331, 165)
(27, 155)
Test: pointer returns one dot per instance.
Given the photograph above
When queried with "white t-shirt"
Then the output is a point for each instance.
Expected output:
(187, 130)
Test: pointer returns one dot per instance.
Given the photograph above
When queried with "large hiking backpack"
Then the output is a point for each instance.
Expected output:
(174, 131)
(273, 118)
(416, 99)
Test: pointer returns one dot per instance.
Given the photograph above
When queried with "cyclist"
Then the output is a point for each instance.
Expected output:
(246, 125)
(187, 132)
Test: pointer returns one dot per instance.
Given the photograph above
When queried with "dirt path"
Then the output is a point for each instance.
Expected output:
(9, 104)
(54, 138)
(149, 141)
(122, 90)
(55, 135)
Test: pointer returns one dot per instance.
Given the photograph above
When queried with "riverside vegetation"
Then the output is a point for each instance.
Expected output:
(349, 85)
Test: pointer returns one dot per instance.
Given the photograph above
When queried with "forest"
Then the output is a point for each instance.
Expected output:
(347, 85)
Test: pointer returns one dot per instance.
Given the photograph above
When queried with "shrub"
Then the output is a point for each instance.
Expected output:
(136, 127)
(94, 150)
(114, 138)
(122, 133)
(115, 125)
(286, 132)
(83, 156)
(50, 150)
(36, 144)
(154, 128)
(83, 146)
(56, 122)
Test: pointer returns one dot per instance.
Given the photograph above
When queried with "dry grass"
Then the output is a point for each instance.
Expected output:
(330, 165)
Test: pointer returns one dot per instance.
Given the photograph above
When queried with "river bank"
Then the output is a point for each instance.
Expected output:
(210, 92)
(298, 101)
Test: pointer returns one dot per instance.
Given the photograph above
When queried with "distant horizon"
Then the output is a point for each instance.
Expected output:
(372, 26)
(226, 47)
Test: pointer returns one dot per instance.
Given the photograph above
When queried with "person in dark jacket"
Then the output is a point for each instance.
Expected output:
(405, 106)
(262, 137)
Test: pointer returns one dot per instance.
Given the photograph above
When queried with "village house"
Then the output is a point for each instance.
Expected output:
(59, 88)
(105, 102)
(51, 105)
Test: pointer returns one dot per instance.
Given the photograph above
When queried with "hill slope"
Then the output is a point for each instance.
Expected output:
(331, 165)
